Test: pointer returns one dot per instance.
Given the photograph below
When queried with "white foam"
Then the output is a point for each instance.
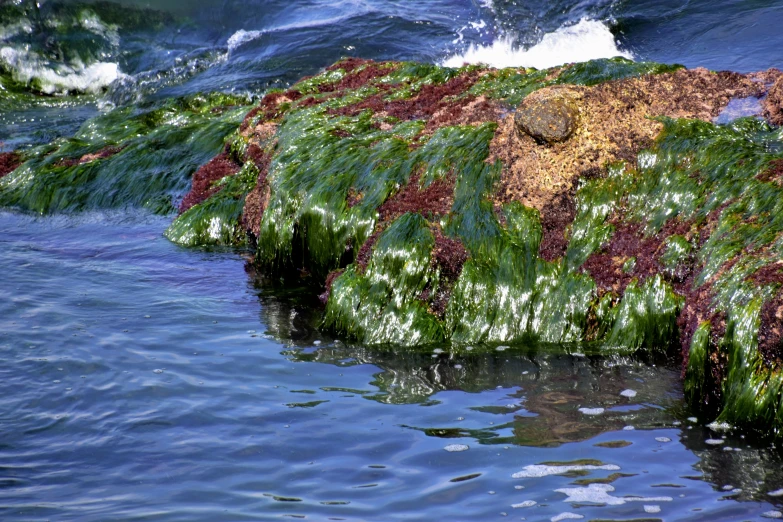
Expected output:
(242, 36)
(772, 514)
(451, 448)
(776, 493)
(541, 470)
(592, 411)
(714, 442)
(526, 503)
(652, 509)
(587, 40)
(60, 78)
(566, 516)
(628, 393)
(720, 426)
(599, 494)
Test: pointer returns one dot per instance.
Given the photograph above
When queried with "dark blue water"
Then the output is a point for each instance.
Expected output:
(143, 381)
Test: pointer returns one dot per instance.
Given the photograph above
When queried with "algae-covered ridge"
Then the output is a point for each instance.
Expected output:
(378, 178)
(406, 192)
(129, 157)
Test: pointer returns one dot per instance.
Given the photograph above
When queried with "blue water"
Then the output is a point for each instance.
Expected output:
(143, 381)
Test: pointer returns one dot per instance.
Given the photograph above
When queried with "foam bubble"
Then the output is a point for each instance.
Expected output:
(587, 40)
(772, 514)
(720, 426)
(776, 493)
(526, 503)
(714, 442)
(652, 509)
(241, 37)
(541, 470)
(566, 516)
(451, 448)
(592, 411)
(628, 393)
(599, 494)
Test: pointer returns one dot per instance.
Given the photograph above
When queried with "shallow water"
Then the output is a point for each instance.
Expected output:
(143, 381)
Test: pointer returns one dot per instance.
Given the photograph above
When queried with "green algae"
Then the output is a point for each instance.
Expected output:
(151, 154)
(698, 365)
(310, 178)
(647, 317)
(678, 251)
(603, 70)
(751, 389)
(595, 201)
(511, 85)
(216, 221)
(381, 305)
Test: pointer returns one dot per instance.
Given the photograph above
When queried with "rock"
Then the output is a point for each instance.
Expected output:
(773, 104)
(549, 115)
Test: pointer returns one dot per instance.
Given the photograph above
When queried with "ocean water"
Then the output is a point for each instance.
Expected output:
(144, 381)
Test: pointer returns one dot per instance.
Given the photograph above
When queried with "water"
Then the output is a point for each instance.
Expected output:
(146, 381)
(143, 381)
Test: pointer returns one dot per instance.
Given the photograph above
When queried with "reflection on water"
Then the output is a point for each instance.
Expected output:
(139, 384)
(543, 391)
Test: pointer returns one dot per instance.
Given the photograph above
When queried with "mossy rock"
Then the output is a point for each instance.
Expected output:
(394, 182)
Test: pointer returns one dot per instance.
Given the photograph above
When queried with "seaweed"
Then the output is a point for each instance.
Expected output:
(216, 220)
(125, 158)
(607, 69)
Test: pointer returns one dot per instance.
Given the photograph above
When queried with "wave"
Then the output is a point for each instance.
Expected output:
(241, 37)
(586, 40)
(28, 68)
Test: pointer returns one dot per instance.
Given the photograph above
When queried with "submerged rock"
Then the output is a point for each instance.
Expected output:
(549, 115)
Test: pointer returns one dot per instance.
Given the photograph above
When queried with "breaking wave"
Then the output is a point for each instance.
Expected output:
(586, 40)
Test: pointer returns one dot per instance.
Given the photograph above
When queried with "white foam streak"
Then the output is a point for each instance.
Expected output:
(587, 40)
(242, 36)
(28, 67)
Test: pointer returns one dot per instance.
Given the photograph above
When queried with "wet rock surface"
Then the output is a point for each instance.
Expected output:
(773, 105)
(549, 115)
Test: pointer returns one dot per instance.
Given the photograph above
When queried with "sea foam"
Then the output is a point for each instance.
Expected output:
(586, 40)
(27, 67)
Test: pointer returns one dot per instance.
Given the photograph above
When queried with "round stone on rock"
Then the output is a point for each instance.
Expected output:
(548, 115)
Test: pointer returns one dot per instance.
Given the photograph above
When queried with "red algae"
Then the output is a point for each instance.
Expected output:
(771, 329)
(204, 178)
(334, 274)
(269, 108)
(556, 217)
(9, 161)
(433, 200)
(430, 100)
(365, 252)
(104, 153)
(773, 173)
(258, 198)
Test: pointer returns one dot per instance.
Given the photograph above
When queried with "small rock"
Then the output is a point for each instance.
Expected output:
(548, 115)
